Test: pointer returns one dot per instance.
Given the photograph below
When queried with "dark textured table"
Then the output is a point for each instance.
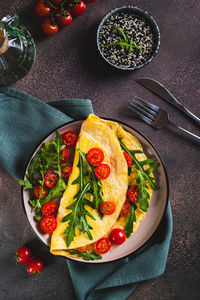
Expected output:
(68, 66)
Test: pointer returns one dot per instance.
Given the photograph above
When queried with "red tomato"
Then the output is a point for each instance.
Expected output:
(50, 209)
(37, 190)
(107, 208)
(117, 236)
(49, 28)
(23, 255)
(35, 267)
(103, 245)
(132, 193)
(102, 171)
(128, 159)
(63, 18)
(42, 10)
(95, 156)
(90, 1)
(77, 9)
(66, 171)
(125, 209)
(56, 2)
(65, 155)
(48, 224)
(50, 179)
(84, 248)
(69, 138)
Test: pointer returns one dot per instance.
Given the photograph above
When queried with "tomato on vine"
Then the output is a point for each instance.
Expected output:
(77, 7)
(49, 28)
(63, 18)
(42, 10)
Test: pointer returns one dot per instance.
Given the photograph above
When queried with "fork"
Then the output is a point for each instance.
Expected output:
(155, 116)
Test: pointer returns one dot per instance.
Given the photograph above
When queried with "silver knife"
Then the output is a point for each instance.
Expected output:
(158, 89)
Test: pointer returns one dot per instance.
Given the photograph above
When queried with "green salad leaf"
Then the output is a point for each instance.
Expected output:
(130, 220)
(87, 255)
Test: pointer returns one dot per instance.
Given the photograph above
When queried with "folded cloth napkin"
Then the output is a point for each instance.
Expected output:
(24, 122)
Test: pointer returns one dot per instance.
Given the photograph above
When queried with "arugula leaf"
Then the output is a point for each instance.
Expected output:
(25, 183)
(143, 195)
(38, 217)
(87, 255)
(55, 192)
(130, 220)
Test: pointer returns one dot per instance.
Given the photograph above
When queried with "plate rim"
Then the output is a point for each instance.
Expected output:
(167, 194)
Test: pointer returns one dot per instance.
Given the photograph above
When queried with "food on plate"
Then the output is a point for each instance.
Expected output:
(48, 224)
(35, 267)
(23, 255)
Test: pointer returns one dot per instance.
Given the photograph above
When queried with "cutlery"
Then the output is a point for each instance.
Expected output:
(158, 89)
(155, 116)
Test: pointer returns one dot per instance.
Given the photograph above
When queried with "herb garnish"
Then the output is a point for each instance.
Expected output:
(130, 219)
(88, 183)
(127, 43)
(87, 255)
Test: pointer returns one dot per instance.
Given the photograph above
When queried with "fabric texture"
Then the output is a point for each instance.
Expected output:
(24, 122)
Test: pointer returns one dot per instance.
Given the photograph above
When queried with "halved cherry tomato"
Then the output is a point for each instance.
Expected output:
(95, 156)
(66, 171)
(103, 245)
(35, 267)
(102, 171)
(37, 190)
(49, 28)
(50, 209)
(42, 10)
(125, 209)
(69, 138)
(77, 7)
(84, 248)
(50, 179)
(48, 224)
(132, 193)
(23, 255)
(107, 208)
(63, 18)
(65, 155)
(128, 159)
(117, 236)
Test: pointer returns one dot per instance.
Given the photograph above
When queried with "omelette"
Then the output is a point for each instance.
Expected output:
(105, 135)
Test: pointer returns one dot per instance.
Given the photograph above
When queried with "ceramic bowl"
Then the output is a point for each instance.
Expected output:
(147, 18)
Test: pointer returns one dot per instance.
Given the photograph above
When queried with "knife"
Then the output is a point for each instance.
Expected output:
(158, 89)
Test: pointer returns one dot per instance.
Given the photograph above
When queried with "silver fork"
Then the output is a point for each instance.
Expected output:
(155, 116)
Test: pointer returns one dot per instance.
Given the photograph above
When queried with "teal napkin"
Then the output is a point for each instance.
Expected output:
(24, 122)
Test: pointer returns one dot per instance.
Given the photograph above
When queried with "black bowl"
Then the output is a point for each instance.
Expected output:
(150, 21)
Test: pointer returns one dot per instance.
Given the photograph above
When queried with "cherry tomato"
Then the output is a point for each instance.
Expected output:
(77, 9)
(90, 1)
(66, 171)
(103, 245)
(48, 224)
(35, 267)
(63, 18)
(117, 236)
(128, 159)
(84, 248)
(69, 138)
(132, 193)
(50, 209)
(37, 190)
(102, 171)
(107, 208)
(65, 155)
(23, 255)
(56, 2)
(125, 209)
(50, 179)
(95, 156)
(49, 28)
(42, 10)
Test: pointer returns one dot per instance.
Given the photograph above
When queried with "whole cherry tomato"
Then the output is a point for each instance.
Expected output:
(117, 236)
(132, 193)
(128, 159)
(69, 138)
(65, 155)
(66, 171)
(37, 191)
(49, 28)
(42, 10)
(48, 224)
(50, 179)
(107, 208)
(63, 18)
(77, 8)
(95, 156)
(50, 209)
(35, 267)
(23, 255)
(103, 245)
(102, 171)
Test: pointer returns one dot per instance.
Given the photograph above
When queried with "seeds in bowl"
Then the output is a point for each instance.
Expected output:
(126, 39)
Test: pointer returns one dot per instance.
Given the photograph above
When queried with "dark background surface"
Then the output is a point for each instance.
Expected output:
(68, 66)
